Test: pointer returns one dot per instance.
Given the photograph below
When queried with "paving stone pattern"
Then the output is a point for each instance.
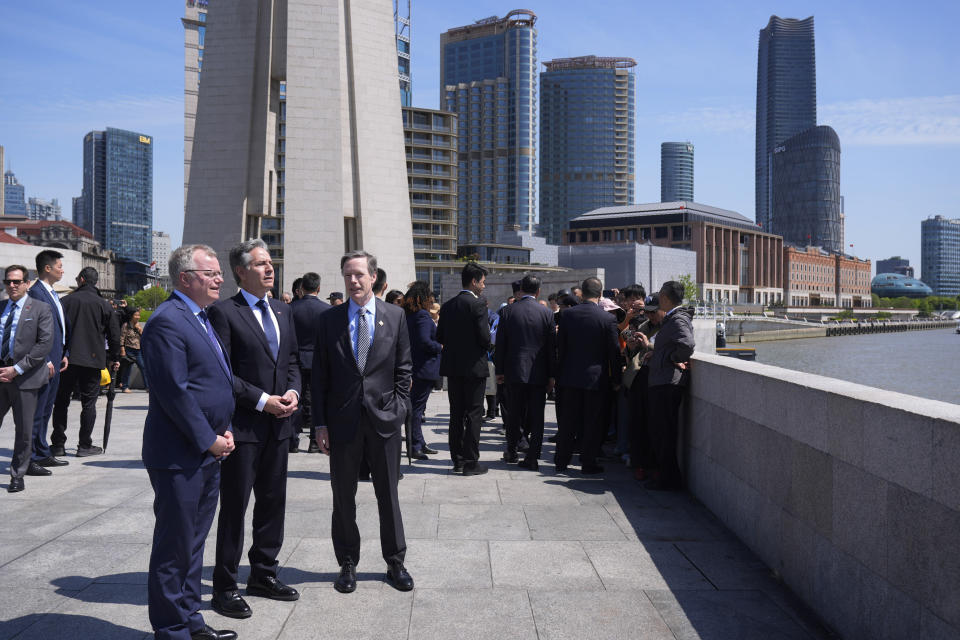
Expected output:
(510, 555)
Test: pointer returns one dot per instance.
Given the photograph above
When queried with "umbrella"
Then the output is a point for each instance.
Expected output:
(108, 417)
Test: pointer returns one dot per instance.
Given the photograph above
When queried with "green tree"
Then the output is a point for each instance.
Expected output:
(876, 299)
(689, 287)
(149, 299)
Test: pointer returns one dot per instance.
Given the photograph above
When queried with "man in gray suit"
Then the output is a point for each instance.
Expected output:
(672, 349)
(26, 333)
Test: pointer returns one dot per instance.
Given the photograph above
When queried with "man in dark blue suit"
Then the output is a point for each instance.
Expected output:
(258, 334)
(588, 366)
(186, 434)
(306, 314)
(525, 361)
(361, 382)
(49, 271)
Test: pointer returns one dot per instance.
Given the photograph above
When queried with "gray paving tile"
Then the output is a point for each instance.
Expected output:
(536, 492)
(643, 565)
(461, 490)
(662, 523)
(503, 614)
(63, 564)
(728, 564)
(540, 564)
(449, 564)
(572, 523)
(44, 524)
(365, 614)
(598, 615)
(483, 522)
(746, 615)
(121, 524)
(22, 608)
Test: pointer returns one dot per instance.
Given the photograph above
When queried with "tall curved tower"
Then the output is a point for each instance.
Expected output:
(786, 98)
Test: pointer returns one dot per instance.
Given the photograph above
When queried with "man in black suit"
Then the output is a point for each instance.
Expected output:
(306, 315)
(92, 322)
(589, 364)
(260, 340)
(49, 271)
(185, 436)
(525, 361)
(26, 333)
(361, 382)
(465, 335)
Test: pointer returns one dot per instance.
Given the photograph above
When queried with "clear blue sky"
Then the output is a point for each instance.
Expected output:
(887, 81)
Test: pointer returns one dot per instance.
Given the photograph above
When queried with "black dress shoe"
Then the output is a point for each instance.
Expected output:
(346, 582)
(419, 455)
(35, 469)
(16, 484)
(50, 461)
(529, 463)
(209, 633)
(398, 577)
(474, 469)
(231, 604)
(429, 451)
(57, 451)
(294, 445)
(270, 587)
(314, 447)
(511, 458)
(591, 469)
(457, 467)
(92, 450)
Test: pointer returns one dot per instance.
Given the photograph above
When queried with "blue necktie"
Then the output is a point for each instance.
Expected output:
(363, 340)
(7, 331)
(213, 338)
(271, 332)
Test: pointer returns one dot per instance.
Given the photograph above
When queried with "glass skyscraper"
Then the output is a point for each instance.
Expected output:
(940, 255)
(587, 133)
(117, 195)
(806, 189)
(676, 172)
(786, 99)
(14, 202)
(488, 74)
(401, 23)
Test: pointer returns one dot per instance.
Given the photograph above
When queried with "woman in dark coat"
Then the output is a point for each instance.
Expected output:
(425, 353)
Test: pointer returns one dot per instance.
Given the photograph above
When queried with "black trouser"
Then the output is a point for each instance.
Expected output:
(664, 411)
(466, 414)
(642, 454)
(383, 455)
(581, 419)
(525, 404)
(88, 379)
(262, 468)
(419, 394)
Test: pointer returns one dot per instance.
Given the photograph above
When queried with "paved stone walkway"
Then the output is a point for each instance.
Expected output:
(512, 554)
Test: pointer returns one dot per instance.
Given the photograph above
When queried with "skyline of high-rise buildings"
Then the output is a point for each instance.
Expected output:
(587, 138)
(940, 255)
(488, 78)
(117, 197)
(676, 172)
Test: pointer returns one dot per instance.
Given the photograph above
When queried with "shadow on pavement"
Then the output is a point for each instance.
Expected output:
(114, 464)
(53, 626)
(118, 588)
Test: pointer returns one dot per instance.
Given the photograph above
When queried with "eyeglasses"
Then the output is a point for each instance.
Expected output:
(12, 282)
(207, 273)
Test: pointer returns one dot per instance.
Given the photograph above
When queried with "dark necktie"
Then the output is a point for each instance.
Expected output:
(7, 332)
(363, 340)
(268, 329)
(213, 337)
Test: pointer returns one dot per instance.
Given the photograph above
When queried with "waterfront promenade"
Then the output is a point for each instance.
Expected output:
(512, 554)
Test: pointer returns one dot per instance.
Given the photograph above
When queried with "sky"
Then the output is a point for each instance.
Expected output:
(887, 81)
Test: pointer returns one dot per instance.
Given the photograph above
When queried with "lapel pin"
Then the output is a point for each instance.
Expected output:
(380, 323)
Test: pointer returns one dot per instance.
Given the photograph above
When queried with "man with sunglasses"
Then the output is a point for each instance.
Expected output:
(26, 333)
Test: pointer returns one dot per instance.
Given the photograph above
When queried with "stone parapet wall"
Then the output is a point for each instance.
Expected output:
(850, 494)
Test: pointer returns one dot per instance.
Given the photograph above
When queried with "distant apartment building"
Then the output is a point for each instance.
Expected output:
(896, 264)
(587, 138)
(736, 260)
(816, 277)
(161, 252)
(430, 138)
(940, 255)
(40, 209)
(14, 202)
(676, 172)
(118, 191)
(3, 190)
(488, 73)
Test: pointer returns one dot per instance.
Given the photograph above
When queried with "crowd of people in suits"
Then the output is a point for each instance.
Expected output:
(233, 382)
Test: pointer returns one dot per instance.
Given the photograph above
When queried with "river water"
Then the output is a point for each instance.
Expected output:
(920, 363)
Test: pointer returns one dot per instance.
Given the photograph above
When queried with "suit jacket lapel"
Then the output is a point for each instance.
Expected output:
(345, 343)
(195, 323)
(247, 314)
(381, 335)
